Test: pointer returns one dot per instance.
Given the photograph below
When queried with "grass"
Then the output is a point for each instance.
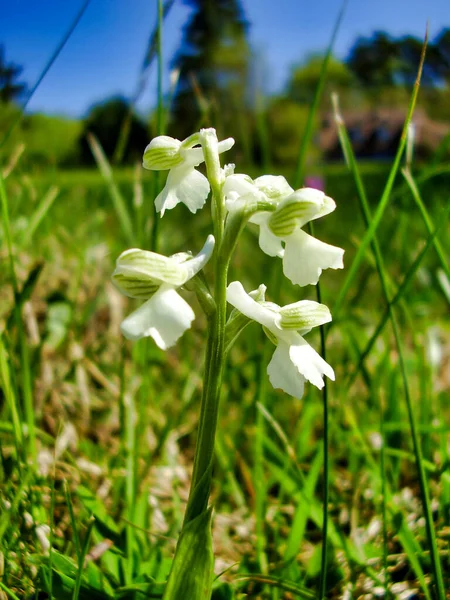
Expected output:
(88, 388)
(97, 435)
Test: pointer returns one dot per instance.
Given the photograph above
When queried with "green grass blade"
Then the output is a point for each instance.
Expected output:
(8, 592)
(82, 557)
(306, 139)
(46, 69)
(73, 521)
(116, 196)
(376, 220)
(301, 515)
(24, 350)
(401, 292)
(11, 399)
(427, 219)
(286, 586)
(370, 238)
(11, 513)
(40, 213)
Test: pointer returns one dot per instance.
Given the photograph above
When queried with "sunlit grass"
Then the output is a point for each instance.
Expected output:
(80, 380)
(97, 435)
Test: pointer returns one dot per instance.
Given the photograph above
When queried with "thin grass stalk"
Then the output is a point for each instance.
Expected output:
(82, 558)
(39, 214)
(427, 219)
(150, 53)
(73, 521)
(306, 139)
(46, 69)
(11, 400)
(436, 565)
(8, 592)
(160, 109)
(259, 479)
(326, 469)
(116, 196)
(260, 500)
(52, 531)
(154, 244)
(326, 461)
(400, 293)
(24, 352)
(384, 200)
(384, 487)
(131, 461)
(263, 134)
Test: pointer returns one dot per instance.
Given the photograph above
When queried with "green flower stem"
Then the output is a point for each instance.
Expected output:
(210, 145)
(215, 350)
(215, 355)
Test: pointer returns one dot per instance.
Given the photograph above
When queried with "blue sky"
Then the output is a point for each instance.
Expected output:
(104, 54)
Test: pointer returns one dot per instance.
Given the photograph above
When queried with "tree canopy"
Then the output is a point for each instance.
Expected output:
(213, 62)
(104, 121)
(11, 88)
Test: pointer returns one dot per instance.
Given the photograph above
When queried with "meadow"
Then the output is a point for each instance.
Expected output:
(98, 433)
(342, 494)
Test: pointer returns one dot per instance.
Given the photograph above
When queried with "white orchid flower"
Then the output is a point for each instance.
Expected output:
(184, 183)
(304, 257)
(294, 360)
(165, 316)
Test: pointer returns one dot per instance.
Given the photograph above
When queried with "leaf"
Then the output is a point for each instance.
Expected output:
(63, 579)
(27, 289)
(191, 575)
(104, 523)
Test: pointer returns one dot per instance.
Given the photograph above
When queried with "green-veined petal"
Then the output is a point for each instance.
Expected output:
(162, 153)
(304, 315)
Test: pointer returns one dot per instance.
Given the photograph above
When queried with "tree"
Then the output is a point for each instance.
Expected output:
(374, 60)
(213, 67)
(306, 76)
(10, 88)
(442, 54)
(381, 61)
(104, 121)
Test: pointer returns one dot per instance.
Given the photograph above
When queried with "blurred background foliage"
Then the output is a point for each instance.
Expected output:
(216, 80)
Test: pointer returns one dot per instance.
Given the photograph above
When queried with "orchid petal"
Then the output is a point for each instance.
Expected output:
(195, 156)
(184, 184)
(238, 297)
(305, 257)
(309, 363)
(165, 317)
(136, 266)
(298, 209)
(162, 153)
(196, 264)
(268, 242)
(304, 315)
(239, 184)
(273, 186)
(283, 374)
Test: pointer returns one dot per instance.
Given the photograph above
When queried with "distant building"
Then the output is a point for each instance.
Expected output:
(375, 134)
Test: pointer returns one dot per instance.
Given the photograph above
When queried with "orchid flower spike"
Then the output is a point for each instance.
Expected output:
(165, 315)
(304, 257)
(184, 183)
(294, 360)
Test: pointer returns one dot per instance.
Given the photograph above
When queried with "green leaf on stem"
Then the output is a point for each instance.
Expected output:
(191, 575)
